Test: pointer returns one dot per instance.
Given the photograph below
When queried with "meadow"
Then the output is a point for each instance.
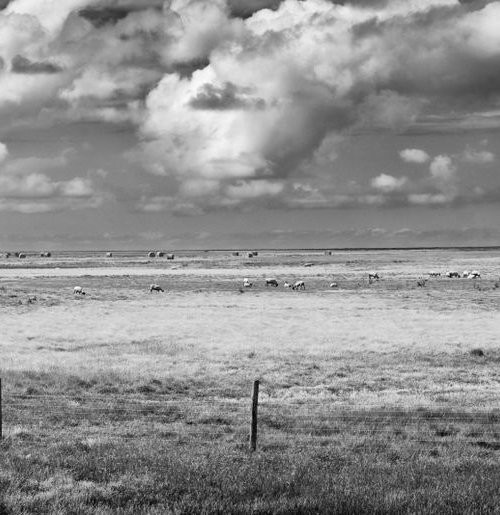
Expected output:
(375, 397)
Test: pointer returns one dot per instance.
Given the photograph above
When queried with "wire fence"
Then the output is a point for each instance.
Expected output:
(301, 423)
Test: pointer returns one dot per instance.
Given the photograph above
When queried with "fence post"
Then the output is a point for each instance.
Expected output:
(253, 427)
(1, 433)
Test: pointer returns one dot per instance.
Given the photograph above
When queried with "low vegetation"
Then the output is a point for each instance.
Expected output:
(375, 398)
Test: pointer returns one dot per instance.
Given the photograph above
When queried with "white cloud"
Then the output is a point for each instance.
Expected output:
(387, 183)
(4, 152)
(428, 199)
(272, 97)
(442, 168)
(414, 155)
(51, 14)
(478, 156)
(39, 185)
(254, 189)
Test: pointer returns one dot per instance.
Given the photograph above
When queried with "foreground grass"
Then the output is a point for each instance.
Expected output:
(162, 447)
(154, 476)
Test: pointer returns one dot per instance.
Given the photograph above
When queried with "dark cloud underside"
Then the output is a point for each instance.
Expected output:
(22, 64)
(111, 12)
(245, 8)
(104, 16)
(212, 98)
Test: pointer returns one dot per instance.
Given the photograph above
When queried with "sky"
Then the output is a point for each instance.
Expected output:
(181, 124)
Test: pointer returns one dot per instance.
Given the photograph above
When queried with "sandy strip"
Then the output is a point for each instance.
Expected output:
(142, 271)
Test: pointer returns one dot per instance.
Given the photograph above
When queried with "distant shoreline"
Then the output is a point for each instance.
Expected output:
(260, 249)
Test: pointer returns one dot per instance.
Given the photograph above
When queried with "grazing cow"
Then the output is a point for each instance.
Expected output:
(151, 254)
(465, 273)
(308, 264)
(421, 282)
(78, 290)
(7, 254)
(170, 256)
(272, 282)
(474, 275)
(21, 255)
(250, 254)
(247, 283)
(155, 287)
(373, 276)
(434, 274)
(452, 274)
(299, 285)
(109, 254)
(45, 254)
(286, 284)
(334, 285)
(235, 253)
(160, 254)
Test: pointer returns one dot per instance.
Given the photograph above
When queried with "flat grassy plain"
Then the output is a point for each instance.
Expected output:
(375, 398)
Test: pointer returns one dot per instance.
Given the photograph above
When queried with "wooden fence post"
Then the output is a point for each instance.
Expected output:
(1, 433)
(253, 427)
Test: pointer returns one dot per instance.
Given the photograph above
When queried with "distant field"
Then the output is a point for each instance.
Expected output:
(376, 397)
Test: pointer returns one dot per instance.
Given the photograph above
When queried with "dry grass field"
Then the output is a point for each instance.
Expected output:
(375, 398)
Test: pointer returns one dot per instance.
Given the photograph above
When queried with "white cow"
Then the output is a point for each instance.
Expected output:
(286, 284)
(299, 285)
(474, 275)
(109, 254)
(155, 287)
(272, 282)
(78, 290)
(373, 276)
(334, 285)
(465, 273)
(247, 283)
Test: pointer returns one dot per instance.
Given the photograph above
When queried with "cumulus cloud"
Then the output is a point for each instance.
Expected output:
(235, 102)
(387, 183)
(442, 168)
(428, 199)
(471, 155)
(414, 155)
(4, 152)
(254, 189)
(26, 185)
(315, 70)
